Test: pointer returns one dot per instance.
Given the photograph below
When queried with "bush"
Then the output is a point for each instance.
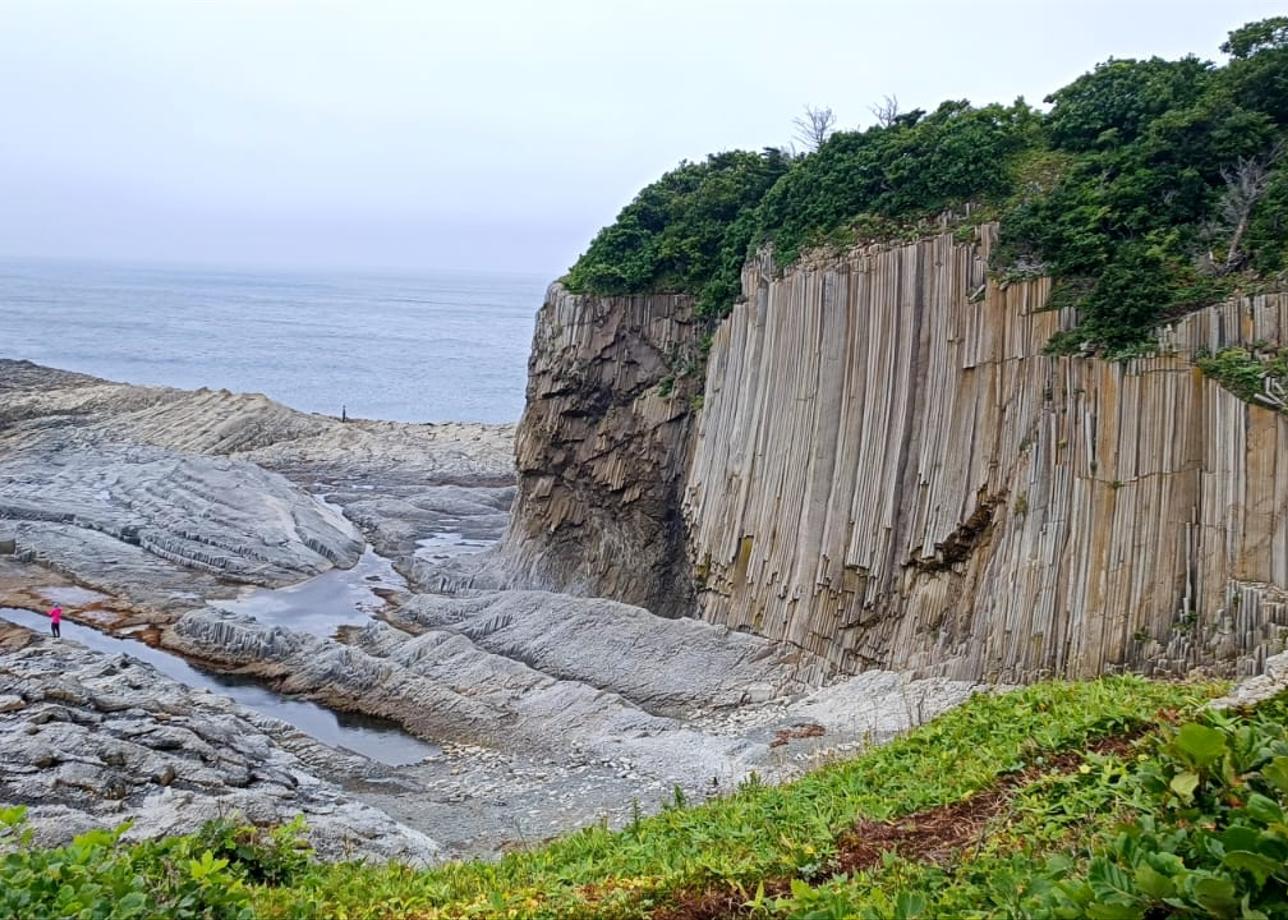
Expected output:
(1244, 372)
(1125, 192)
(686, 233)
(97, 877)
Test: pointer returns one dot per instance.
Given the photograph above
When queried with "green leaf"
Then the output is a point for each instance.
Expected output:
(1200, 745)
(132, 904)
(1184, 784)
(1261, 867)
(909, 905)
(1276, 773)
(1154, 883)
(1216, 895)
(1102, 911)
(1264, 809)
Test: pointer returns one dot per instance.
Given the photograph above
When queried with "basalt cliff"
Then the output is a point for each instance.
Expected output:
(883, 468)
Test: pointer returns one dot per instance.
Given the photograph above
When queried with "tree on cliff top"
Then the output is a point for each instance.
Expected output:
(1123, 193)
(814, 127)
(683, 232)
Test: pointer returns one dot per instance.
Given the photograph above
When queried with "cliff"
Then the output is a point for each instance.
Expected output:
(602, 450)
(887, 472)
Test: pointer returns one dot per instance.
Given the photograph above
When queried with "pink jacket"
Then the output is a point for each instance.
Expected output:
(56, 615)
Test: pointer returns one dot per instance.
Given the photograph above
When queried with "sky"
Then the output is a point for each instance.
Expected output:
(473, 134)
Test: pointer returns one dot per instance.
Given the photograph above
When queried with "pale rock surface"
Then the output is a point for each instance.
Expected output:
(163, 496)
(96, 740)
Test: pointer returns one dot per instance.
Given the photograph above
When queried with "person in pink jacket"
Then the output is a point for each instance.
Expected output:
(55, 621)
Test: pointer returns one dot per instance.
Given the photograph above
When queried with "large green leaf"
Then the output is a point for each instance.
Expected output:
(1154, 883)
(1200, 745)
(1217, 895)
(1184, 784)
(1261, 867)
(1276, 773)
(1264, 809)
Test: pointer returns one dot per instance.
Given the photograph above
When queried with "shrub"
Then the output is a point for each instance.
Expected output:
(686, 233)
(98, 877)
(1126, 193)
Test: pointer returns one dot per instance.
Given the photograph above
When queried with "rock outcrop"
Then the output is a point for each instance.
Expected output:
(92, 740)
(887, 472)
(164, 497)
(890, 473)
(608, 397)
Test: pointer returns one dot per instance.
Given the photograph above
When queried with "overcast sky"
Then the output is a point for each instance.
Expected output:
(471, 134)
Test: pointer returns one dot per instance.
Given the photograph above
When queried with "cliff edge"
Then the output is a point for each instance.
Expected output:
(886, 470)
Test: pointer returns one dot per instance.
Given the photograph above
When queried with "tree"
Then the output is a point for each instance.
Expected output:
(1256, 37)
(1245, 185)
(814, 127)
(886, 111)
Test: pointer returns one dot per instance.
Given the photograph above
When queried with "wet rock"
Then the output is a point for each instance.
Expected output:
(100, 773)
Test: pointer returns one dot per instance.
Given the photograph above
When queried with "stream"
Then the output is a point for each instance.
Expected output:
(374, 738)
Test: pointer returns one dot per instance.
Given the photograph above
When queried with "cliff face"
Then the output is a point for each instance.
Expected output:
(888, 472)
(602, 450)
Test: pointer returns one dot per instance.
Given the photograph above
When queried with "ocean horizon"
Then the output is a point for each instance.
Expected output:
(431, 346)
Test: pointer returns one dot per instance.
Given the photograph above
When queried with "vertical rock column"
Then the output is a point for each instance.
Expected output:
(889, 472)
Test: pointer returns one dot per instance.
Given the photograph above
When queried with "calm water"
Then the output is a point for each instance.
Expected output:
(375, 738)
(449, 346)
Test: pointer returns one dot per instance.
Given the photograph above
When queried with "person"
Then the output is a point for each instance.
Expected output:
(55, 621)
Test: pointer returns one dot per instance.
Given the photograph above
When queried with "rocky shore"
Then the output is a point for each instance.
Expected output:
(164, 516)
(90, 739)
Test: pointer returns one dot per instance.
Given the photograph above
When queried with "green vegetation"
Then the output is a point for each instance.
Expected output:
(687, 232)
(1259, 375)
(1113, 798)
(206, 875)
(1151, 188)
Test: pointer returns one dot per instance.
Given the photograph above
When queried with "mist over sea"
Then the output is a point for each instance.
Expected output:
(432, 347)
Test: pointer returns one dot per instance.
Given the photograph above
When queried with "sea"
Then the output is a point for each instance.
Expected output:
(423, 347)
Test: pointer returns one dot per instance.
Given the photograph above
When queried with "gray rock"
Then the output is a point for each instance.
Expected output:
(155, 763)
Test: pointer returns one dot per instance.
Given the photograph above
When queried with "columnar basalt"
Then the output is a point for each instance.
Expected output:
(889, 472)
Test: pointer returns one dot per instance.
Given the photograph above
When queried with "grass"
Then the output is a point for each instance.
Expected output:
(774, 847)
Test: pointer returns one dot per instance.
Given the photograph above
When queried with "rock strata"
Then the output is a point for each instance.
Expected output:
(92, 740)
(164, 497)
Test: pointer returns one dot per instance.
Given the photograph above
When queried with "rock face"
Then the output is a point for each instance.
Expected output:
(521, 671)
(887, 472)
(607, 399)
(163, 496)
(92, 740)
(890, 473)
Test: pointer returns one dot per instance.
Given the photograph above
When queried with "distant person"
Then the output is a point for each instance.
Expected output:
(344, 415)
(55, 621)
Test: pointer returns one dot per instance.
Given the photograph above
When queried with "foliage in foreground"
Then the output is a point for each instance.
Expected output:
(759, 834)
(1152, 187)
(205, 875)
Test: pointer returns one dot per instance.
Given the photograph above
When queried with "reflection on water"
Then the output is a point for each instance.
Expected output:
(71, 595)
(322, 604)
(375, 738)
(448, 544)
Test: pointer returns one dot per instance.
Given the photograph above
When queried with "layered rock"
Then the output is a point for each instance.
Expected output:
(520, 671)
(890, 473)
(602, 450)
(163, 496)
(92, 740)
